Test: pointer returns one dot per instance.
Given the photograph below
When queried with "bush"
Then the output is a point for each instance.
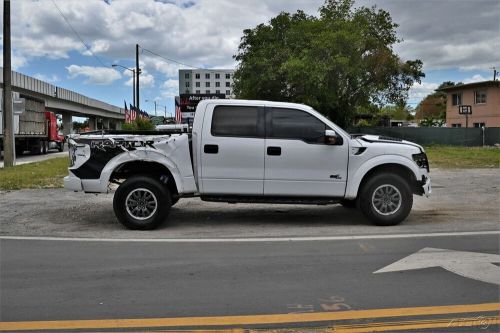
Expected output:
(139, 124)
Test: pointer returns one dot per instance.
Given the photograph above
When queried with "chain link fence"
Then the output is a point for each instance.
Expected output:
(437, 135)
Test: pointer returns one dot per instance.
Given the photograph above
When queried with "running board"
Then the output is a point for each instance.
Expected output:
(273, 199)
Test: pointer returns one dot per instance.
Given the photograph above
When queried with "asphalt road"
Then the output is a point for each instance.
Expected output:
(71, 280)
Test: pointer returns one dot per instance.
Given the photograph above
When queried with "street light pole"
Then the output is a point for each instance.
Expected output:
(137, 72)
(133, 77)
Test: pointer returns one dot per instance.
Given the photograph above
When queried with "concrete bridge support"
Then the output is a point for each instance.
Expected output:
(93, 123)
(67, 122)
(105, 123)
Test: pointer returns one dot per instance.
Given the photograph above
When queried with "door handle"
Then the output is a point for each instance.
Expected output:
(274, 151)
(211, 149)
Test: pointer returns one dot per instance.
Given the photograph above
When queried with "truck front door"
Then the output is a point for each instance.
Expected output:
(232, 150)
(298, 162)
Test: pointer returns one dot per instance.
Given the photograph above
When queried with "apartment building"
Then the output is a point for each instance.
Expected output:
(482, 97)
(206, 81)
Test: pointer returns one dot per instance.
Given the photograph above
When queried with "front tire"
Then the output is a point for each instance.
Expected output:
(142, 203)
(386, 199)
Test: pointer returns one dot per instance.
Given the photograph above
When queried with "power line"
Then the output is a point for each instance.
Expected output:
(77, 34)
(166, 59)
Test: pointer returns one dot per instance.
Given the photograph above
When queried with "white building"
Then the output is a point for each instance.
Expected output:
(206, 81)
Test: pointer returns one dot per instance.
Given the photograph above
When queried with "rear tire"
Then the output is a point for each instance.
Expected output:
(386, 199)
(37, 149)
(60, 146)
(45, 147)
(142, 203)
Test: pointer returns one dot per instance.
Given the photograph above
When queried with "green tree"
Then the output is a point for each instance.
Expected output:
(139, 124)
(336, 62)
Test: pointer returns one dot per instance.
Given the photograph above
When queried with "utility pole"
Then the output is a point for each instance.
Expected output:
(8, 121)
(137, 72)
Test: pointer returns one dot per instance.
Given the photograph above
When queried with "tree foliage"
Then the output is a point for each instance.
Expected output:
(432, 109)
(139, 124)
(336, 62)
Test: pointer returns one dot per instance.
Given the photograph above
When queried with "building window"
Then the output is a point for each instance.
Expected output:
(456, 99)
(228, 84)
(207, 84)
(207, 91)
(217, 84)
(207, 76)
(187, 84)
(456, 125)
(480, 96)
(197, 91)
(479, 125)
(186, 75)
(217, 91)
(197, 75)
(228, 92)
(217, 75)
(197, 84)
(228, 76)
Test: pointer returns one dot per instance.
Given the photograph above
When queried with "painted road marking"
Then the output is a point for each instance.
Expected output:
(472, 265)
(246, 320)
(250, 240)
(483, 322)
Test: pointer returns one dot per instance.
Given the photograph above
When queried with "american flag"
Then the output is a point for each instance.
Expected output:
(178, 113)
(127, 114)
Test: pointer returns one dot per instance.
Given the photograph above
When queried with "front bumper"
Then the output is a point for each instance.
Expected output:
(73, 183)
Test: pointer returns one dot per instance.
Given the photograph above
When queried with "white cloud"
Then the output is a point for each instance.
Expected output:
(421, 90)
(146, 80)
(203, 33)
(475, 78)
(170, 88)
(94, 75)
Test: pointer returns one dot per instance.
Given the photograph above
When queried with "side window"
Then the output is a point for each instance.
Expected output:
(295, 124)
(242, 121)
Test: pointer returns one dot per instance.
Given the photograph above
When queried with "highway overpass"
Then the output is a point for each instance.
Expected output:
(68, 103)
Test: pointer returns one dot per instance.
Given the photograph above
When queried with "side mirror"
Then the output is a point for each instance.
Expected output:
(332, 138)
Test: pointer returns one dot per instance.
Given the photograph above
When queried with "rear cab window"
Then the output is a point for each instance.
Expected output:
(238, 121)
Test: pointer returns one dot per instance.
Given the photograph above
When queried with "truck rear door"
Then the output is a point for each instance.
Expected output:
(232, 150)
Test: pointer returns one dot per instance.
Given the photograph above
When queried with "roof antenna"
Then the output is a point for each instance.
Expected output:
(495, 72)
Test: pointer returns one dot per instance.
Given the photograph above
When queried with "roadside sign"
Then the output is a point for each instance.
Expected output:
(188, 102)
(465, 109)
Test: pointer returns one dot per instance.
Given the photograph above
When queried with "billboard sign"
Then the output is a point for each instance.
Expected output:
(188, 102)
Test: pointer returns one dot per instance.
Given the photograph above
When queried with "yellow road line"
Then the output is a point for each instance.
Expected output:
(482, 321)
(245, 320)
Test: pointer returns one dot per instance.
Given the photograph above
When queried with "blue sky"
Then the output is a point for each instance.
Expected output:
(453, 44)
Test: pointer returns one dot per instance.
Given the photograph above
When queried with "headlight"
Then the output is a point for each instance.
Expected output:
(421, 160)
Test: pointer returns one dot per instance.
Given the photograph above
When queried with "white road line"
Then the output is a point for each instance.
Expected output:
(250, 240)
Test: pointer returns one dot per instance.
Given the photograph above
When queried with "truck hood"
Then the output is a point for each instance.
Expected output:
(384, 139)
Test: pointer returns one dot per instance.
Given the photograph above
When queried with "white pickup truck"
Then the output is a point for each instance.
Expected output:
(250, 151)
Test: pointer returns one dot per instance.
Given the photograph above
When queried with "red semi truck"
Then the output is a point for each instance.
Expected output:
(35, 129)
